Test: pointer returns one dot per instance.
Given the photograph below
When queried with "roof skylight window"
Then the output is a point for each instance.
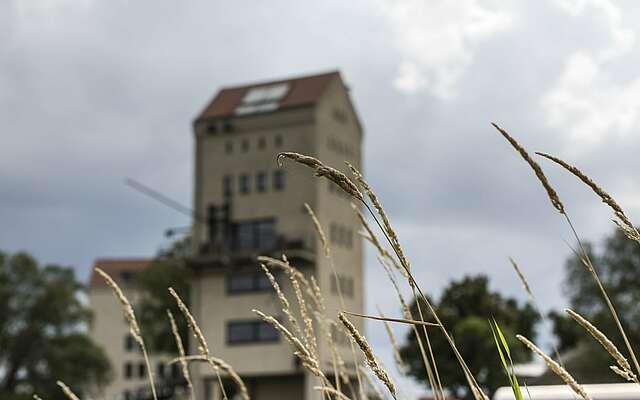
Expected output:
(262, 99)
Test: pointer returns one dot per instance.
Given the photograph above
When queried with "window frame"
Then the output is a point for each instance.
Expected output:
(254, 325)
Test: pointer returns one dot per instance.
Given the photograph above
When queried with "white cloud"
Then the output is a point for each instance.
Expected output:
(436, 41)
(589, 101)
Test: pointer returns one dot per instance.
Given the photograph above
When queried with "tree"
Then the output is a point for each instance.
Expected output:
(618, 264)
(43, 337)
(465, 308)
(167, 270)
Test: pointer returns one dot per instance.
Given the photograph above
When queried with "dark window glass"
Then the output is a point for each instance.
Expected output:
(126, 395)
(129, 343)
(245, 145)
(278, 180)
(245, 239)
(175, 371)
(227, 127)
(240, 282)
(261, 182)
(266, 332)
(240, 332)
(128, 370)
(244, 183)
(263, 283)
(161, 370)
(266, 234)
(262, 143)
(278, 140)
(212, 128)
(228, 147)
(142, 370)
(227, 185)
(251, 331)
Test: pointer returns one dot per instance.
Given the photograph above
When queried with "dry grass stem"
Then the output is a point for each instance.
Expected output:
(319, 230)
(36, 397)
(181, 353)
(553, 196)
(394, 343)
(371, 383)
(606, 198)
(321, 169)
(203, 347)
(602, 339)
(624, 374)
(329, 390)
(309, 334)
(556, 368)
(286, 307)
(134, 328)
(361, 341)
(67, 391)
(388, 319)
(220, 363)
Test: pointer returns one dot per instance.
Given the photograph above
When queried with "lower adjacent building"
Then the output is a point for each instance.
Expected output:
(110, 330)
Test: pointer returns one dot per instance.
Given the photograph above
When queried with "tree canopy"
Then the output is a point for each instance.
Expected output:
(43, 332)
(167, 270)
(617, 261)
(465, 308)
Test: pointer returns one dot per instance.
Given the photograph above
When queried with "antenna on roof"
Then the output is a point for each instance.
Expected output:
(167, 201)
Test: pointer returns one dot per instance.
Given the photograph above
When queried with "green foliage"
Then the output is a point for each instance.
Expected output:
(166, 271)
(43, 332)
(618, 264)
(464, 308)
(503, 348)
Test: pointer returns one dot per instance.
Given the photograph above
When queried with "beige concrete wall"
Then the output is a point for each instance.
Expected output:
(109, 330)
(314, 131)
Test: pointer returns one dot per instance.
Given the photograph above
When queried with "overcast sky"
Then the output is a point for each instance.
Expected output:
(92, 92)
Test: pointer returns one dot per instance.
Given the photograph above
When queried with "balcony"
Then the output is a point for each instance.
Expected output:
(236, 252)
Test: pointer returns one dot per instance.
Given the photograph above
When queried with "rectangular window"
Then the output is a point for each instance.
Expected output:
(278, 140)
(247, 282)
(278, 180)
(227, 185)
(256, 235)
(245, 145)
(254, 331)
(129, 344)
(161, 370)
(228, 147)
(244, 184)
(262, 143)
(128, 370)
(261, 182)
(142, 370)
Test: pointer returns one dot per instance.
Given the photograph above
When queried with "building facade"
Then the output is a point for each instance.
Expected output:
(246, 206)
(110, 330)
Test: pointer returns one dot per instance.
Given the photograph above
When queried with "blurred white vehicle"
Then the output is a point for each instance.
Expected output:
(609, 391)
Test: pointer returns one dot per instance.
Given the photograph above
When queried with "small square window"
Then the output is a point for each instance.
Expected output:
(244, 184)
(228, 147)
(278, 140)
(227, 127)
(261, 182)
(212, 128)
(245, 145)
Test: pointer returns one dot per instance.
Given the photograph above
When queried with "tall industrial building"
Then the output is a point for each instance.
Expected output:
(248, 206)
(245, 206)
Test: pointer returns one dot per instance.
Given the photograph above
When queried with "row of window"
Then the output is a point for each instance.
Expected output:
(254, 331)
(139, 370)
(245, 144)
(340, 147)
(247, 282)
(260, 180)
(346, 285)
(341, 235)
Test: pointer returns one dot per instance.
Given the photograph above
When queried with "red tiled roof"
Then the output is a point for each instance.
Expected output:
(303, 91)
(115, 267)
